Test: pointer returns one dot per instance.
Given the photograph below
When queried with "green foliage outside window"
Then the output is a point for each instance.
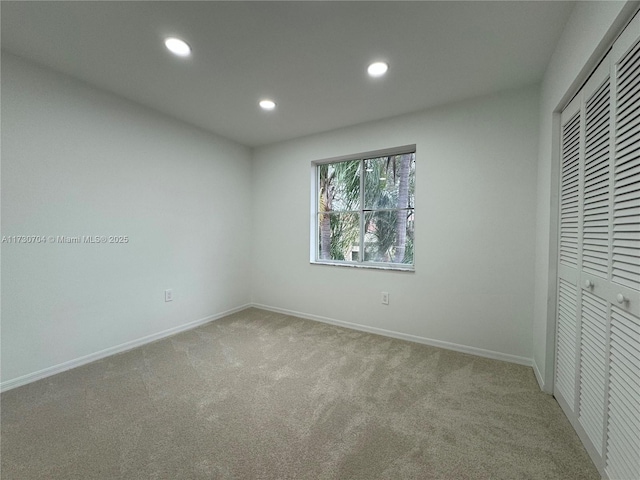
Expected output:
(366, 210)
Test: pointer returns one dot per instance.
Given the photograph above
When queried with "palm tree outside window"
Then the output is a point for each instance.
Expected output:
(364, 210)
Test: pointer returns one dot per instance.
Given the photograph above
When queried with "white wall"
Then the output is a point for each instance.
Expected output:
(475, 205)
(588, 33)
(79, 161)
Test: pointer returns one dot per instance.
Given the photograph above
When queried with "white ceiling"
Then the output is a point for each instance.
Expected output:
(310, 57)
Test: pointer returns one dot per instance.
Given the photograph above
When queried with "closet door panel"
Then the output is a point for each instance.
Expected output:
(566, 342)
(626, 175)
(593, 348)
(597, 182)
(569, 193)
(598, 332)
(623, 431)
(568, 306)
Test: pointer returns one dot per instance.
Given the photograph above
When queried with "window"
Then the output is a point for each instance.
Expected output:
(364, 210)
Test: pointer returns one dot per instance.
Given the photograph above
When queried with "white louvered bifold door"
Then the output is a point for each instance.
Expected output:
(597, 377)
(626, 200)
(569, 191)
(593, 344)
(623, 429)
(568, 248)
(623, 432)
(565, 341)
(596, 253)
(597, 181)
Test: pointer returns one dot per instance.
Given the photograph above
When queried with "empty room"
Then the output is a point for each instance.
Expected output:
(320, 240)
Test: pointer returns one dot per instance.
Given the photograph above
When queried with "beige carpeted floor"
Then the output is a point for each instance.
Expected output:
(258, 395)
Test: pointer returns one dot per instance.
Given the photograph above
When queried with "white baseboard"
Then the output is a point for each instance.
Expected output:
(505, 357)
(47, 372)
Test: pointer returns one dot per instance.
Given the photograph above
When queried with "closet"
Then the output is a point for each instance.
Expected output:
(597, 370)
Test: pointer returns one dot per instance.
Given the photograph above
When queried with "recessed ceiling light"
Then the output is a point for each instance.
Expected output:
(377, 69)
(267, 104)
(177, 46)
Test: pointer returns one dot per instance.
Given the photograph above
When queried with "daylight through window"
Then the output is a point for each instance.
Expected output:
(364, 211)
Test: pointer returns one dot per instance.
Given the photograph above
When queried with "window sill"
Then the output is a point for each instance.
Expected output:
(375, 266)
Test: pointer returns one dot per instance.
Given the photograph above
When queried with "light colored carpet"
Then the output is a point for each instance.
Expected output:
(259, 395)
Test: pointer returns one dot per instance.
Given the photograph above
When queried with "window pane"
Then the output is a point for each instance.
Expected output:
(389, 236)
(339, 186)
(390, 181)
(339, 236)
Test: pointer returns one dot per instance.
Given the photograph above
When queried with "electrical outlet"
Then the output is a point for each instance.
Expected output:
(168, 295)
(385, 298)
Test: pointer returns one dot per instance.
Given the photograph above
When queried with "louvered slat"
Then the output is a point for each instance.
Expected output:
(626, 176)
(592, 367)
(623, 431)
(566, 350)
(569, 192)
(595, 241)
